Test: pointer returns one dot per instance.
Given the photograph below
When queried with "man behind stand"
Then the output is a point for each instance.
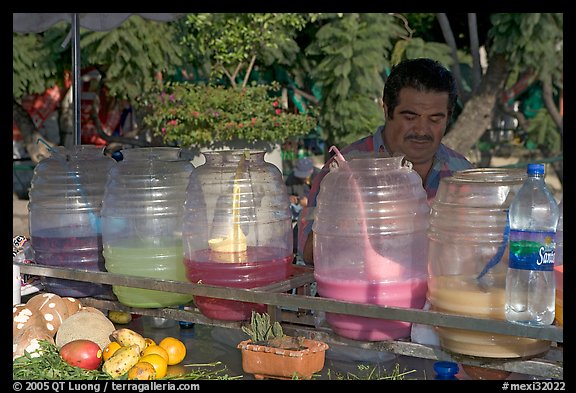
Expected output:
(418, 102)
(298, 184)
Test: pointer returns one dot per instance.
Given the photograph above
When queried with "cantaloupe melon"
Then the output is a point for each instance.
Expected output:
(85, 324)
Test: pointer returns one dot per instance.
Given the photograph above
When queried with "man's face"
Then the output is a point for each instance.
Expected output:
(417, 125)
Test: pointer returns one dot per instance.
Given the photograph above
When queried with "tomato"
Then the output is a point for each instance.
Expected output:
(82, 353)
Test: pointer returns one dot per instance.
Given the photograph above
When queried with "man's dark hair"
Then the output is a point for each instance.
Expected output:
(423, 75)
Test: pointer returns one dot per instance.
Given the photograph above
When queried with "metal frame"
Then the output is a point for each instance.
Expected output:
(295, 311)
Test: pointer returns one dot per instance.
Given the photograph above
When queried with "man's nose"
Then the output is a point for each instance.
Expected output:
(423, 126)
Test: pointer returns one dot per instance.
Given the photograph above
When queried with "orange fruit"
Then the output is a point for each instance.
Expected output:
(157, 349)
(175, 348)
(142, 371)
(149, 341)
(160, 364)
(110, 349)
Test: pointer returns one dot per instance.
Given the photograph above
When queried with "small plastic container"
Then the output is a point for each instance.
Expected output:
(66, 195)
(142, 222)
(237, 229)
(370, 243)
(446, 370)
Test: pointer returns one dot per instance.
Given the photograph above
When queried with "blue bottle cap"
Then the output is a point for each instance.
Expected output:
(446, 369)
(535, 169)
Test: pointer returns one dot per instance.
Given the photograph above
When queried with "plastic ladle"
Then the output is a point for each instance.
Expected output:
(232, 248)
(377, 266)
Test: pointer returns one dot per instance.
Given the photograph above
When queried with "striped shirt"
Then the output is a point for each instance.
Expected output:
(446, 162)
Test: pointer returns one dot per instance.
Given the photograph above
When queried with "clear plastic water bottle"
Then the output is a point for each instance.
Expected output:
(530, 282)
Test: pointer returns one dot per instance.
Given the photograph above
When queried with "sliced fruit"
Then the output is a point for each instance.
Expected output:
(110, 349)
(149, 341)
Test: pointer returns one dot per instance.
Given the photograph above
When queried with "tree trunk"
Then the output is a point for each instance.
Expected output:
(449, 38)
(550, 104)
(475, 50)
(476, 116)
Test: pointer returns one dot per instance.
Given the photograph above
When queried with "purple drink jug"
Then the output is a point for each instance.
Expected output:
(64, 216)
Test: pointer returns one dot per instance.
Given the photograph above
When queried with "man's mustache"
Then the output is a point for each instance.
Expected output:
(424, 138)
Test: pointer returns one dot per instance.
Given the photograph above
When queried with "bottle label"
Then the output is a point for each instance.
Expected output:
(532, 250)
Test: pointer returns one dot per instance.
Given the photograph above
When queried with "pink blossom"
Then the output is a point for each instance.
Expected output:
(253, 120)
(195, 113)
(171, 98)
(278, 111)
(173, 122)
(275, 103)
(163, 130)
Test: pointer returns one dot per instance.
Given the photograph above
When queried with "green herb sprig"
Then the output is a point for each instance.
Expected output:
(367, 372)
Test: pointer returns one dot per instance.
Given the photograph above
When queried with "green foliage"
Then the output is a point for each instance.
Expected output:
(351, 51)
(417, 47)
(195, 114)
(422, 24)
(261, 328)
(543, 132)
(132, 54)
(268, 36)
(129, 54)
(530, 41)
(33, 65)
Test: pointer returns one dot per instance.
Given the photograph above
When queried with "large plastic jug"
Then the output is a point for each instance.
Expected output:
(559, 266)
(370, 243)
(468, 259)
(142, 222)
(64, 216)
(237, 229)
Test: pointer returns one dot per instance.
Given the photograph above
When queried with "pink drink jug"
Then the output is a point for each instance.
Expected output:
(237, 229)
(370, 242)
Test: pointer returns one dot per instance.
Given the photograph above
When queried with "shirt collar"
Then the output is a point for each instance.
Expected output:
(378, 141)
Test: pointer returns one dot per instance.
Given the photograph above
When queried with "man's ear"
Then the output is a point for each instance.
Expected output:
(385, 108)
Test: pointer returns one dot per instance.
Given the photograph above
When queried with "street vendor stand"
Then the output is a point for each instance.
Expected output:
(298, 315)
